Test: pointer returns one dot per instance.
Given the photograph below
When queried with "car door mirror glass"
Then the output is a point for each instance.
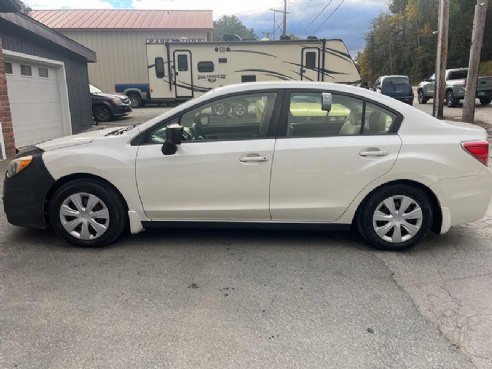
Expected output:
(327, 100)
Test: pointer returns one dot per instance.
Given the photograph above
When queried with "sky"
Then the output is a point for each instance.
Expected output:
(348, 20)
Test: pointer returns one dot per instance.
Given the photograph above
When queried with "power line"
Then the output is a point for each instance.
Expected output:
(331, 14)
(318, 15)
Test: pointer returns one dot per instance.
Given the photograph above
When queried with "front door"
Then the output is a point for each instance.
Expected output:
(326, 159)
(221, 170)
(183, 75)
(310, 64)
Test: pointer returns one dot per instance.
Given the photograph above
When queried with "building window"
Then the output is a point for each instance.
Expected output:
(206, 67)
(182, 63)
(26, 70)
(43, 72)
(8, 68)
(222, 60)
(311, 60)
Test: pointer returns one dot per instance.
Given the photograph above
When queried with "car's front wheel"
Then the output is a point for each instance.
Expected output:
(421, 98)
(101, 113)
(451, 100)
(87, 213)
(395, 217)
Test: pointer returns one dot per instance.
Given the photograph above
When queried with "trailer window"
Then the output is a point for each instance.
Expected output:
(205, 67)
(182, 63)
(311, 60)
(159, 67)
(248, 78)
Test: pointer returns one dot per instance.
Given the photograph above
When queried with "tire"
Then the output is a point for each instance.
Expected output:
(240, 109)
(451, 101)
(421, 98)
(220, 109)
(101, 113)
(74, 222)
(375, 218)
(135, 100)
(485, 100)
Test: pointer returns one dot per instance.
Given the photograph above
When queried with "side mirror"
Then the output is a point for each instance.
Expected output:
(426, 80)
(327, 100)
(173, 139)
(159, 67)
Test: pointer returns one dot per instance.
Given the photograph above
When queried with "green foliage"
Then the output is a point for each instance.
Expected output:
(231, 24)
(403, 42)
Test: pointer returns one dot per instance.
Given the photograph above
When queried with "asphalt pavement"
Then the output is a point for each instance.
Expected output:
(245, 299)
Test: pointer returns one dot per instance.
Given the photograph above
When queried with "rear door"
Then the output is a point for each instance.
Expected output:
(183, 74)
(325, 159)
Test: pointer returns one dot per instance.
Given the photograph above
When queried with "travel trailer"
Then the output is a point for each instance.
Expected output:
(180, 70)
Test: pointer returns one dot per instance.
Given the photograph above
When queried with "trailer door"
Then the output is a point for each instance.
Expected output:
(183, 75)
(310, 64)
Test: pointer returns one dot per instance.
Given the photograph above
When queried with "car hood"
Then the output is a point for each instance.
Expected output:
(79, 139)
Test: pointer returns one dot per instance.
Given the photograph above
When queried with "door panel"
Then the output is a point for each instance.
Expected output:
(226, 180)
(310, 64)
(183, 78)
(316, 179)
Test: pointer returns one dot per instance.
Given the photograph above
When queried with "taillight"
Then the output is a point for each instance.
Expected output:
(478, 149)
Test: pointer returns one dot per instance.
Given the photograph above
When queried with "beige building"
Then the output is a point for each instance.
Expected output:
(119, 36)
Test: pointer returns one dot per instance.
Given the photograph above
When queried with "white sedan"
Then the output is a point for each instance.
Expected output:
(281, 154)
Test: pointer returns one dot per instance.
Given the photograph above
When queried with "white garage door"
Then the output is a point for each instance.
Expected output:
(35, 101)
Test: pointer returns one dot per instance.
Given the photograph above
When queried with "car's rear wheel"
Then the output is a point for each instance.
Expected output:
(421, 98)
(87, 213)
(101, 113)
(395, 217)
(485, 100)
(220, 109)
(240, 108)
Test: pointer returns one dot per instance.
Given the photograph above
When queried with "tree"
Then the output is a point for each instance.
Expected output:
(231, 24)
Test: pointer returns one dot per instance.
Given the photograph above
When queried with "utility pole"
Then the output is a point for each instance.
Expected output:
(474, 64)
(284, 28)
(442, 55)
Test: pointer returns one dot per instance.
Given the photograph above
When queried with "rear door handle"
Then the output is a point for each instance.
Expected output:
(373, 153)
(253, 159)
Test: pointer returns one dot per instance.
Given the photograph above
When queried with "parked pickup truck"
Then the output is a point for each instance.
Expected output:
(455, 88)
(138, 93)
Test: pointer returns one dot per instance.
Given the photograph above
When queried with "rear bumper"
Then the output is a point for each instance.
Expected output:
(465, 199)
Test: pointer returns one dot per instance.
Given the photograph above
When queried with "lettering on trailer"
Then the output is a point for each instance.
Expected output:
(212, 78)
(165, 40)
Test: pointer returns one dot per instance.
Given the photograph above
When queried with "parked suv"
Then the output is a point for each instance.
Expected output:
(108, 106)
(397, 87)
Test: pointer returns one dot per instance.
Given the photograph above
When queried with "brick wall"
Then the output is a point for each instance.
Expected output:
(5, 116)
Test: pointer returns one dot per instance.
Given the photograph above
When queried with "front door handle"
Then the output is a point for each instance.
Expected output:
(253, 159)
(373, 153)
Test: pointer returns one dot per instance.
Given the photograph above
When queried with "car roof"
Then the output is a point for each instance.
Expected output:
(394, 76)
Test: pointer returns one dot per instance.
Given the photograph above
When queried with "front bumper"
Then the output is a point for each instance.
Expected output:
(24, 194)
(122, 109)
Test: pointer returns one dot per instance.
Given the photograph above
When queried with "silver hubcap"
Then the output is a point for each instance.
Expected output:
(397, 219)
(84, 216)
(219, 109)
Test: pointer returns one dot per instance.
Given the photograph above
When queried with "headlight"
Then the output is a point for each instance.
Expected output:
(116, 100)
(18, 165)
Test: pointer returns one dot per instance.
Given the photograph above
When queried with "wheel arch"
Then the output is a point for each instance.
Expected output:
(77, 176)
(436, 206)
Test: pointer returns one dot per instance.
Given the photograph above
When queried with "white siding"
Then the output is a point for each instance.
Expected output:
(121, 55)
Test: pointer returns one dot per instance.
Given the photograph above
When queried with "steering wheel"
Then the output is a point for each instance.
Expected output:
(187, 134)
(197, 130)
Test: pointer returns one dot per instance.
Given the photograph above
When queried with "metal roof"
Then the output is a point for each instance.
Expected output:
(124, 19)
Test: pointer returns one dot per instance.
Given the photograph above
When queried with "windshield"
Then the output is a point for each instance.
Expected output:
(94, 90)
